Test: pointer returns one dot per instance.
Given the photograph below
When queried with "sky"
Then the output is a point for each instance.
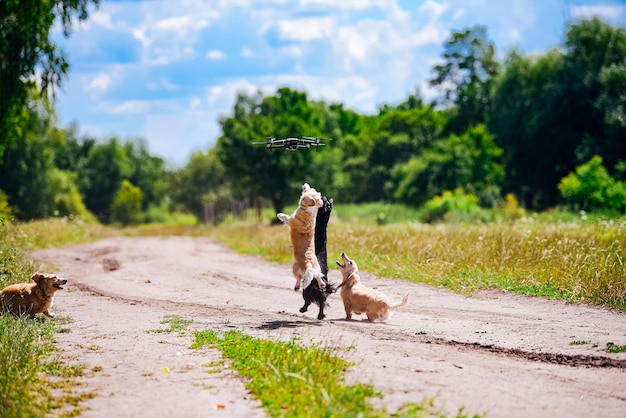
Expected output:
(168, 70)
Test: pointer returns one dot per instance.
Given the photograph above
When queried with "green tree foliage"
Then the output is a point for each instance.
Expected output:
(552, 113)
(591, 187)
(28, 56)
(612, 106)
(470, 161)
(66, 199)
(147, 172)
(396, 135)
(202, 187)
(107, 164)
(466, 76)
(126, 204)
(35, 187)
(536, 151)
(277, 175)
(101, 174)
(594, 52)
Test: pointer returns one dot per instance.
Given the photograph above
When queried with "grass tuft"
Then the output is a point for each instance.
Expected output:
(293, 380)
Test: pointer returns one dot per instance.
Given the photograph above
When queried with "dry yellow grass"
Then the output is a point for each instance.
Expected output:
(573, 261)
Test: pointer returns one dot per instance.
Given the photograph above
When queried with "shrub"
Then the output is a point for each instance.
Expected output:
(126, 205)
(452, 206)
(591, 187)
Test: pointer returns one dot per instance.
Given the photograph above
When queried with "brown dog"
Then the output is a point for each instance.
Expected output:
(360, 299)
(302, 227)
(32, 298)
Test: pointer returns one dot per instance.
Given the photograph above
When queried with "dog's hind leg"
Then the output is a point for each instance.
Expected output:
(307, 300)
(320, 314)
(310, 274)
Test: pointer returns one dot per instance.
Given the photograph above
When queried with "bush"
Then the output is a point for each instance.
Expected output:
(591, 187)
(453, 206)
(126, 205)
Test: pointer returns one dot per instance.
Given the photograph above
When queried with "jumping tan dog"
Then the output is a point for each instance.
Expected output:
(302, 227)
(360, 299)
(32, 298)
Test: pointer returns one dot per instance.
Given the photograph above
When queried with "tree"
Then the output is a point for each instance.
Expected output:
(526, 120)
(28, 56)
(470, 162)
(147, 172)
(202, 187)
(592, 85)
(397, 135)
(277, 175)
(35, 187)
(126, 204)
(101, 174)
(466, 76)
(553, 112)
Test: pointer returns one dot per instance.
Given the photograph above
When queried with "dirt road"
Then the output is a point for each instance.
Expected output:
(496, 353)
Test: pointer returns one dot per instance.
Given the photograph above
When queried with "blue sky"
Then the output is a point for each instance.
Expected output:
(167, 70)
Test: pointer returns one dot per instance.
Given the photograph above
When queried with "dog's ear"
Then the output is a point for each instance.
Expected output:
(36, 277)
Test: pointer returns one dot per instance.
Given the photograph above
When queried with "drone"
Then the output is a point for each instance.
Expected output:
(293, 143)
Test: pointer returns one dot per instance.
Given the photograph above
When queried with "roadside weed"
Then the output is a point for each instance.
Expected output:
(294, 380)
(614, 348)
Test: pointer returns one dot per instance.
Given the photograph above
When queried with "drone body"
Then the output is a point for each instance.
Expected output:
(293, 143)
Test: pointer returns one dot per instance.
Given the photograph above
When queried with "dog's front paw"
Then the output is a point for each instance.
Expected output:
(49, 314)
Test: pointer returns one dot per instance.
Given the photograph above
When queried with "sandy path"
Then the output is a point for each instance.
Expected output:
(495, 353)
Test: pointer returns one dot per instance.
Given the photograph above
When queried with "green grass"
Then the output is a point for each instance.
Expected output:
(614, 348)
(176, 324)
(27, 356)
(22, 392)
(294, 380)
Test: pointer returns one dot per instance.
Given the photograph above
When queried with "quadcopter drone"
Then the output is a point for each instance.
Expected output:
(293, 143)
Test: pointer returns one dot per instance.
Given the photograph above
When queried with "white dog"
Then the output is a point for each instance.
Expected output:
(302, 227)
(360, 299)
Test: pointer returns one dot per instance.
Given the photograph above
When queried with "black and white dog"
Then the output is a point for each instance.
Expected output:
(313, 294)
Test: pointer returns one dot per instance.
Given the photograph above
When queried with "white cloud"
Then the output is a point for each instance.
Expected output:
(101, 19)
(181, 25)
(514, 35)
(162, 84)
(305, 30)
(215, 54)
(246, 52)
(601, 10)
(433, 8)
(128, 107)
(99, 84)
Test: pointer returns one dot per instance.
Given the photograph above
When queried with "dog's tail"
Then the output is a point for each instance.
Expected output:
(331, 288)
(405, 299)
